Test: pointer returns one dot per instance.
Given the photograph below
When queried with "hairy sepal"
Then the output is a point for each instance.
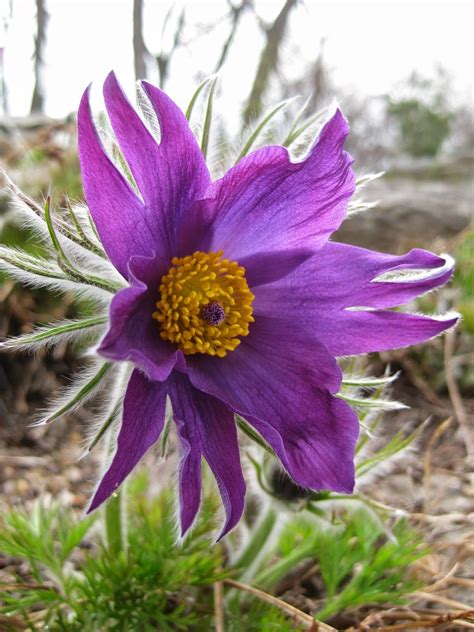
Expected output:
(90, 382)
(67, 331)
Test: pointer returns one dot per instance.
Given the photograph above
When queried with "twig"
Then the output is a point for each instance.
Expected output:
(427, 623)
(274, 36)
(454, 394)
(219, 606)
(455, 517)
(458, 605)
(235, 14)
(446, 578)
(429, 619)
(291, 611)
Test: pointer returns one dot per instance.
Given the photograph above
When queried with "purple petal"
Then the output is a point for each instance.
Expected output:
(267, 267)
(179, 174)
(134, 335)
(120, 217)
(142, 423)
(318, 296)
(282, 383)
(316, 455)
(268, 200)
(342, 276)
(190, 477)
(353, 333)
(207, 427)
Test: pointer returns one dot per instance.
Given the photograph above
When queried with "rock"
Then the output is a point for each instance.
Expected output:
(411, 213)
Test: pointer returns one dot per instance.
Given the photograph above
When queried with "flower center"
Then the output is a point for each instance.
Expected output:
(205, 304)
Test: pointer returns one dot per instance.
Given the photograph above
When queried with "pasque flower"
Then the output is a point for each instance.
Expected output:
(238, 302)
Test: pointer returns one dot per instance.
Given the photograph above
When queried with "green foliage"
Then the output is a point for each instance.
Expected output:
(78, 583)
(423, 130)
(63, 171)
(258, 617)
(154, 584)
(464, 277)
(423, 114)
(359, 563)
(45, 537)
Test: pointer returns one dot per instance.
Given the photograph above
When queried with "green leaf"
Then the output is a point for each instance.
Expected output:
(260, 127)
(44, 334)
(296, 133)
(105, 426)
(84, 392)
(369, 382)
(34, 265)
(369, 402)
(52, 231)
(396, 444)
(193, 100)
(253, 434)
(208, 118)
(84, 239)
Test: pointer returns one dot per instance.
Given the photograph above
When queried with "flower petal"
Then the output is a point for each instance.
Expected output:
(190, 475)
(133, 334)
(266, 267)
(318, 296)
(282, 383)
(267, 199)
(142, 422)
(120, 217)
(352, 333)
(318, 456)
(207, 426)
(179, 174)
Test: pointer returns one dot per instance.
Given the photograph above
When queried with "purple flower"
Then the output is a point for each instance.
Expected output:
(237, 300)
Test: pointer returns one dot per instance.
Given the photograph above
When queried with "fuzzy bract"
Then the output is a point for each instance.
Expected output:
(237, 300)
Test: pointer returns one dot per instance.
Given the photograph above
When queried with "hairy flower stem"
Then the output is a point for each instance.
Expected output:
(255, 549)
(114, 528)
(254, 552)
(114, 512)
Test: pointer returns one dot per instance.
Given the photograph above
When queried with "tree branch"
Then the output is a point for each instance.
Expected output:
(236, 14)
(37, 102)
(268, 62)
(140, 51)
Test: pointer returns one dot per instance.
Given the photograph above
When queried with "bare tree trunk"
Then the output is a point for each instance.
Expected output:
(268, 62)
(4, 106)
(163, 58)
(37, 102)
(319, 82)
(140, 51)
(3, 86)
(236, 13)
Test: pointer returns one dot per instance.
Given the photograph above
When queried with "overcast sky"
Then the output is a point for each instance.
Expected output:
(370, 46)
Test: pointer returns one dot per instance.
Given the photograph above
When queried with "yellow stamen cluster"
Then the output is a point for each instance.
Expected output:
(205, 304)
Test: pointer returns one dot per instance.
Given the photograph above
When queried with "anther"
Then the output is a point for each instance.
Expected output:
(205, 304)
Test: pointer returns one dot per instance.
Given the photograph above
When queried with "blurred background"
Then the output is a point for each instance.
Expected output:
(402, 73)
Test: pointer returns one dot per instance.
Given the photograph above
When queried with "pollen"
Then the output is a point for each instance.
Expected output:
(205, 304)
